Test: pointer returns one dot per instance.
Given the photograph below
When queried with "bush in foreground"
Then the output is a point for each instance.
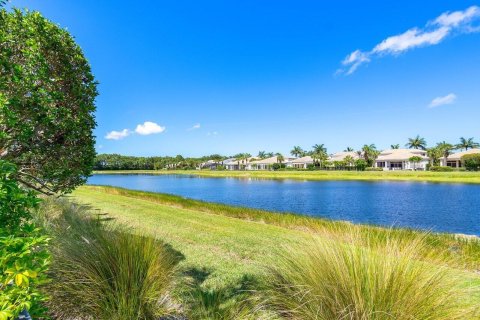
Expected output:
(24, 258)
(102, 272)
(331, 279)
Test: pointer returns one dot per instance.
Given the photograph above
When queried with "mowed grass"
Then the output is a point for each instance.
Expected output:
(426, 176)
(224, 250)
(226, 244)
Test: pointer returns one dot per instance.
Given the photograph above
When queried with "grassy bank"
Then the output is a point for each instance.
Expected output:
(231, 241)
(426, 176)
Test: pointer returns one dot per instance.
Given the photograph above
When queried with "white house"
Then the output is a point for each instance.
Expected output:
(302, 163)
(399, 159)
(266, 164)
(455, 160)
(236, 164)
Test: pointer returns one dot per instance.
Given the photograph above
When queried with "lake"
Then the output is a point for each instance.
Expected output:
(434, 206)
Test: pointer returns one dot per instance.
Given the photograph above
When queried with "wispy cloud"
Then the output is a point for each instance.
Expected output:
(213, 133)
(434, 32)
(148, 128)
(194, 127)
(440, 101)
(117, 135)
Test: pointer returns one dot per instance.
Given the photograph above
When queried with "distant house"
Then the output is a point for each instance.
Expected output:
(455, 160)
(210, 164)
(399, 159)
(302, 163)
(231, 164)
(267, 164)
(340, 156)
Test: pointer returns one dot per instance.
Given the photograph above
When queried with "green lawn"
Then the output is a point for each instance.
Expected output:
(230, 243)
(449, 177)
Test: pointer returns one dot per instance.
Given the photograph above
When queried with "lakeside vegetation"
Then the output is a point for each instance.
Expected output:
(421, 176)
(228, 248)
(111, 253)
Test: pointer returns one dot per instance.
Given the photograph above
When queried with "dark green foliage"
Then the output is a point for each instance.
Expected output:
(471, 161)
(441, 169)
(23, 255)
(47, 94)
(361, 164)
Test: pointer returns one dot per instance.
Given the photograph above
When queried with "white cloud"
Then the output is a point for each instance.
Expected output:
(148, 128)
(213, 133)
(440, 101)
(117, 135)
(433, 33)
(195, 127)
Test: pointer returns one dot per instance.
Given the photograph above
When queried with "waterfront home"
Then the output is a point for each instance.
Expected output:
(231, 164)
(302, 163)
(455, 160)
(267, 164)
(399, 159)
(340, 156)
(237, 164)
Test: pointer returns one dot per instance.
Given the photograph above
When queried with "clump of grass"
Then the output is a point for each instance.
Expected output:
(101, 271)
(388, 279)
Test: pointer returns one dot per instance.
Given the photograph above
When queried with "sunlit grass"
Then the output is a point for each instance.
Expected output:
(331, 278)
(102, 271)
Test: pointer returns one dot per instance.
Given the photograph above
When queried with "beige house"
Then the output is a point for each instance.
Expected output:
(399, 159)
(455, 160)
(266, 164)
(302, 163)
(340, 156)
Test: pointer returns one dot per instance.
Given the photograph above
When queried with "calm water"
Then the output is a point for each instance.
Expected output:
(439, 207)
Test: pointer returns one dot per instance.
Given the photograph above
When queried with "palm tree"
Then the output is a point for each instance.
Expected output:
(297, 151)
(319, 148)
(349, 161)
(467, 144)
(416, 143)
(415, 160)
(269, 154)
(280, 158)
(262, 154)
(445, 148)
(370, 153)
(435, 154)
(245, 157)
(395, 146)
(348, 149)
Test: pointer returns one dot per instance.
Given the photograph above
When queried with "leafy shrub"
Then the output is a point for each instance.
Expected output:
(441, 168)
(23, 255)
(373, 169)
(471, 162)
(361, 164)
(101, 271)
(334, 279)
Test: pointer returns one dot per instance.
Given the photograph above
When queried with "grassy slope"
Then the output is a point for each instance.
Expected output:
(452, 177)
(226, 247)
(213, 238)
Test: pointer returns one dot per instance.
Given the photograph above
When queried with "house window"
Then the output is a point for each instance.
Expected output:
(396, 165)
(381, 164)
(452, 164)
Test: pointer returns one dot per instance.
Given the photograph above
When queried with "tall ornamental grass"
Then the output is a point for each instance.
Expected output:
(387, 279)
(101, 271)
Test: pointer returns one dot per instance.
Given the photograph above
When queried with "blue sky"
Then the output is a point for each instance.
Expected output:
(243, 76)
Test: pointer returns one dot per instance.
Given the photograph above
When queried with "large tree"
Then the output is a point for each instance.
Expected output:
(417, 143)
(467, 143)
(297, 151)
(47, 94)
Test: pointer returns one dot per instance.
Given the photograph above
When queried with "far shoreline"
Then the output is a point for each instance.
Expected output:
(463, 177)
